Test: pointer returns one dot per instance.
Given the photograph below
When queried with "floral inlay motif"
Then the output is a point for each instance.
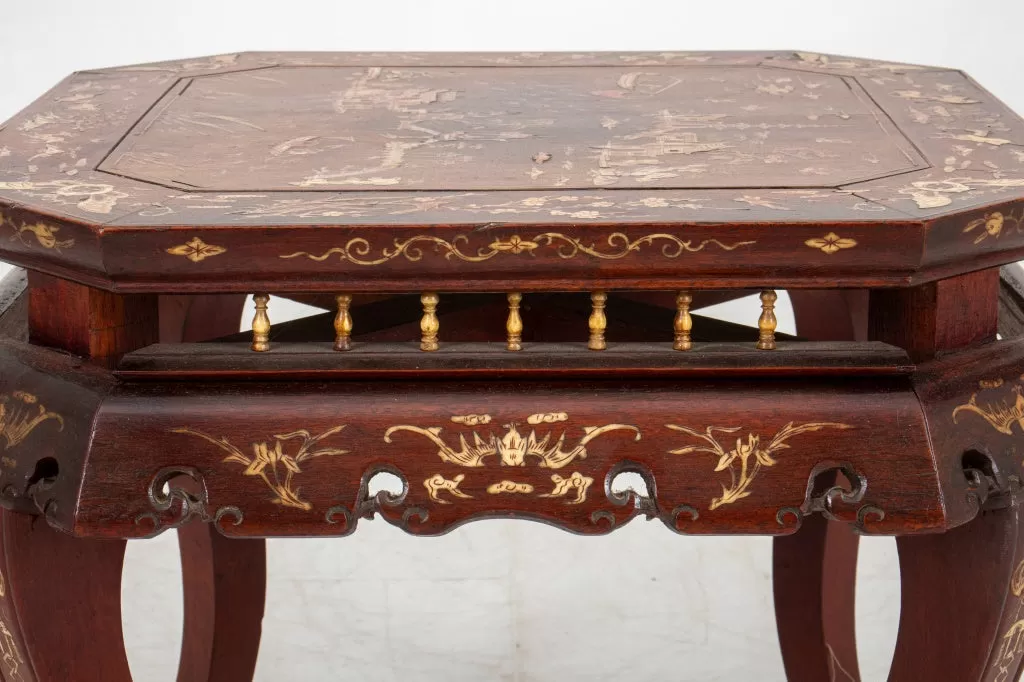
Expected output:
(749, 455)
(269, 460)
(831, 243)
(512, 449)
(38, 233)
(196, 250)
(20, 414)
(1012, 644)
(994, 224)
(358, 250)
(1001, 415)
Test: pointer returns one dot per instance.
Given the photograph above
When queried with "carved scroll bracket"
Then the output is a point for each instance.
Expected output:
(826, 492)
(987, 485)
(41, 489)
(34, 493)
(368, 505)
(644, 502)
(177, 495)
(536, 467)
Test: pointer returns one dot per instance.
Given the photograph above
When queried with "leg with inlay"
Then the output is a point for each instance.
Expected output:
(962, 604)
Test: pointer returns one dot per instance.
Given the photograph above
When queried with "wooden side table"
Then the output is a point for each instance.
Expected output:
(511, 246)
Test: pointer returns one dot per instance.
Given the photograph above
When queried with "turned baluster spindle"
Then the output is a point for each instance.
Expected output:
(429, 325)
(261, 324)
(767, 323)
(343, 323)
(598, 321)
(683, 323)
(514, 325)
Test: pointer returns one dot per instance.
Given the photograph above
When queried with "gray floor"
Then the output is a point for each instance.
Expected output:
(504, 601)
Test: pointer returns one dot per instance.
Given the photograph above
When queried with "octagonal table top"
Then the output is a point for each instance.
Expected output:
(306, 171)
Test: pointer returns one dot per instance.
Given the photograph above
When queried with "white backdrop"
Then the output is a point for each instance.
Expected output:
(504, 601)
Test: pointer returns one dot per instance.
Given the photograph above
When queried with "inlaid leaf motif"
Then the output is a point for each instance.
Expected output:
(750, 454)
(20, 414)
(270, 463)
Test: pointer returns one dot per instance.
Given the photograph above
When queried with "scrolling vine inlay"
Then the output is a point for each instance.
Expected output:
(358, 250)
(750, 455)
(513, 450)
(271, 456)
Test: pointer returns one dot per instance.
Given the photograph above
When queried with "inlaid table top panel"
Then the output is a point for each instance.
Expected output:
(622, 168)
(512, 128)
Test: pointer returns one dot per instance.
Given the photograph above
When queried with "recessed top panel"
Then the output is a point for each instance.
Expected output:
(374, 172)
(340, 128)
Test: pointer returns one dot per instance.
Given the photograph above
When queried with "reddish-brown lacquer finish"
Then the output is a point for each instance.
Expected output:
(974, 407)
(225, 581)
(814, 570)
(937, 317)
(91, 323)
(141, 431)
(961, 603)
(47, 571)
(178, 187)
(476, 170)
(606, 435)
(63, 603)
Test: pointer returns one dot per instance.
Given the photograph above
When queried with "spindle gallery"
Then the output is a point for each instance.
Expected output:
(518, 261)
(598, 322)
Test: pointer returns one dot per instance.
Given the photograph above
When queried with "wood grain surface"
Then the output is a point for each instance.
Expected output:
(628, 177)
(716, 454)
(400, 171)
(312, 448)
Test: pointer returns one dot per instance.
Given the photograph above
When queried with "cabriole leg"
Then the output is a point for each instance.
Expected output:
(225, 585)
(61, 605)
(962, 610)
(814, 571)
